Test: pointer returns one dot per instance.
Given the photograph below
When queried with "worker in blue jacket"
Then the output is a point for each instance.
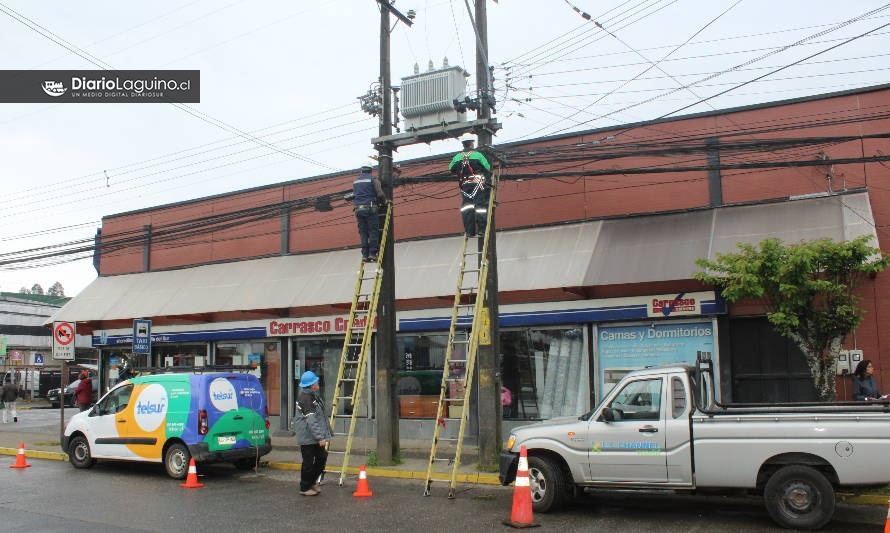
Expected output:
(368, 197)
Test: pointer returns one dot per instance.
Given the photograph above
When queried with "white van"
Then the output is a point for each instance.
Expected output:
(171, 418)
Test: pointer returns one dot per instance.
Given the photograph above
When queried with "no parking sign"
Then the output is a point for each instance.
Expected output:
(63, 341)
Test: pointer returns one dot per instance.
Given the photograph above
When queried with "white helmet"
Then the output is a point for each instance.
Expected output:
(467, 138)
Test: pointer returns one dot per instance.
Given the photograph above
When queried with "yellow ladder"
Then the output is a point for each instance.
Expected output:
(460, 355)
(356, 346)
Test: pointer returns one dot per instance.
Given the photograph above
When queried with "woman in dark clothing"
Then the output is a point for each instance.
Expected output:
(864, 386)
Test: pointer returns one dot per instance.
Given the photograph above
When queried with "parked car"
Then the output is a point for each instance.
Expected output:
(53, 395)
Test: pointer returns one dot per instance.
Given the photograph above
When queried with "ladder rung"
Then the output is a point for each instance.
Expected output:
(342, 416)
(347, 379)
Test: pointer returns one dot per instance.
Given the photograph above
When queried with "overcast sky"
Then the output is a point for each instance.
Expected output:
(289, 72)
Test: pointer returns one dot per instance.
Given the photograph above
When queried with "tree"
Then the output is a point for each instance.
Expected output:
(808, 290)
(36, 289)
(24, 290)
(56, 290)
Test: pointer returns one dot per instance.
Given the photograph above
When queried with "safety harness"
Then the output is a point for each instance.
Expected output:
(472, 177)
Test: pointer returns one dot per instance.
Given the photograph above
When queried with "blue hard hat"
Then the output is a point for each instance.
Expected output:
(308, 379)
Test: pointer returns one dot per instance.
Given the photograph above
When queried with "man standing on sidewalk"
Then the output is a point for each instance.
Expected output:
(9, 395)
(313, 433)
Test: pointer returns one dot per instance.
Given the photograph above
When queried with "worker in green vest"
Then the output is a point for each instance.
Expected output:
(473, 172)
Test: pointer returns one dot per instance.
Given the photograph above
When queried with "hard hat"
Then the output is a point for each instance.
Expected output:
(366, 168)
(467, 138)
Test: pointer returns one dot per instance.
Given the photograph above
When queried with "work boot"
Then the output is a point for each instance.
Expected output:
(309, 492)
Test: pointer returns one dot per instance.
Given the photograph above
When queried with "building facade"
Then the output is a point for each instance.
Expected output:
(598, 233)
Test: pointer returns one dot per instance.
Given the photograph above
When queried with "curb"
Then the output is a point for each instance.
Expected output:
(479, 478)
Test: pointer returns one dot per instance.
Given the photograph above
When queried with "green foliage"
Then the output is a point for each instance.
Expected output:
(36, 289)
(56, 290)
(808, 290)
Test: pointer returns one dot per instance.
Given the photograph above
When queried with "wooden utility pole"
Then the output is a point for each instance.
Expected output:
(487, 357)
(387, 359)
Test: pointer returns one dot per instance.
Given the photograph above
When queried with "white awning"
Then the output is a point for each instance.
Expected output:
(608, 252)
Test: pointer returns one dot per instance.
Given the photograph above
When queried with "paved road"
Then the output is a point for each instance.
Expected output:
(53, 496)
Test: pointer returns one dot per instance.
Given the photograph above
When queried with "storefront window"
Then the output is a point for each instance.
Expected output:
(621, 349)
(321, 356)
(264, 359)
(180, 354)
(420, 374)
(545, 373)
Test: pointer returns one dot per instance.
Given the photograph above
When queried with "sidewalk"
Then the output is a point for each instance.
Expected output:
(43, 443)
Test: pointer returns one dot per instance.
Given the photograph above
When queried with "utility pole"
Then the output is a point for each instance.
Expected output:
(489, 412)
(387, 359)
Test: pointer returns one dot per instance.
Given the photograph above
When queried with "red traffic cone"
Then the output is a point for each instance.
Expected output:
(20, 458)
(887, 523)
(362, 491)
(191, 482)
(521, 515)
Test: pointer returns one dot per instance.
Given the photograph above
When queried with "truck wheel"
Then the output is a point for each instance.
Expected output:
(547, 484)
(176, 461)
(799, 497)
(79, 453)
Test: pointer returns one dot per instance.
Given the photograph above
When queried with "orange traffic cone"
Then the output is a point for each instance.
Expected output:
(521, 515)
(20, 458)
(191, 482)
(362, 491)
(887, 523)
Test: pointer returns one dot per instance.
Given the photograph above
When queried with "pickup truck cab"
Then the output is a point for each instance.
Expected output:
(660, 428)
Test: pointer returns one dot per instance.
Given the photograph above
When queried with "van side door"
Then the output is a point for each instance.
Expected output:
(629, 447)
(110, 426)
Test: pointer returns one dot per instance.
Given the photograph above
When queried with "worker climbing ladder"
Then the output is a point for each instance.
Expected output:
(345, 407)
(469, 323)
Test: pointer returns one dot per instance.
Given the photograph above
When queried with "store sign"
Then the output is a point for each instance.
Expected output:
(682, 304)
(314, 326)
(621, 349)
(4, 342)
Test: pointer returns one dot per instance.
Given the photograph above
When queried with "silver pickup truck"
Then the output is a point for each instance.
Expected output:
(662, 428)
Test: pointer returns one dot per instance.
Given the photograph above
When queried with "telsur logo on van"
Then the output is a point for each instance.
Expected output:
(223, 395)
(151, 407)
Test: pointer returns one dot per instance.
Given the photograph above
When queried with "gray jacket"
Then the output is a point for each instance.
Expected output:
(310, 422)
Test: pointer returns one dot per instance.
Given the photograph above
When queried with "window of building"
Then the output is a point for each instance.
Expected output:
(180, 354)
(262, 356)
(422, 358)
(544, 373)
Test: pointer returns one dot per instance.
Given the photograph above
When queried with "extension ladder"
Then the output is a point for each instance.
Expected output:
(469, 324)
(356, 346)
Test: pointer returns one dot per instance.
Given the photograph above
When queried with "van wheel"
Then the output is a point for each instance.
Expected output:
(176, 461)
(79, 453)
(799, 497)
(547, 484)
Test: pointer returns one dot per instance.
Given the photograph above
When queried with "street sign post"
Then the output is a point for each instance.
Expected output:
(63, 341)
(142, 336)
